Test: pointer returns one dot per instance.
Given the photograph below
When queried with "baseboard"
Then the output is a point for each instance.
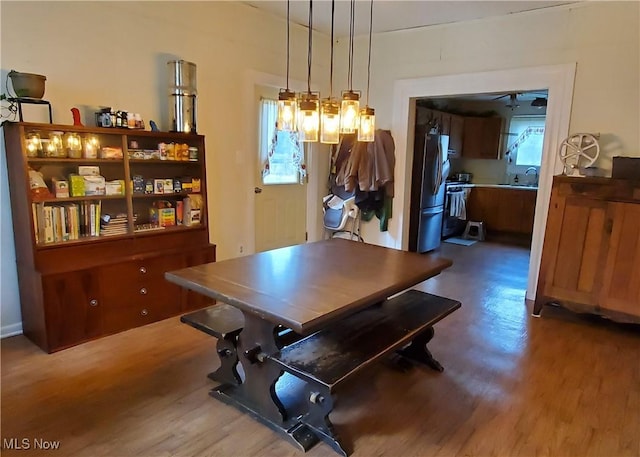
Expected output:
(11, 330)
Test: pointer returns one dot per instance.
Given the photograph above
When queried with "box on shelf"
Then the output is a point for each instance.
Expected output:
(162, 214)
(88, 170)
(158, 186)
(111, 153)
(94, 185)
(76, 185)
(192, 210)
(60, 188)
(168, 186)
(115, 187)
(138, 184)
(195, 185)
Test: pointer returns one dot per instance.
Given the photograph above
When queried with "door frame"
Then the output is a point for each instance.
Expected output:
(557, 79)
(254, 78)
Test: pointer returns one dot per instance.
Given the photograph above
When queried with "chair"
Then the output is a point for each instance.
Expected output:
(341, 216)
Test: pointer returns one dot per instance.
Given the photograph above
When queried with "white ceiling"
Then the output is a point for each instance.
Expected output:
(390, 15)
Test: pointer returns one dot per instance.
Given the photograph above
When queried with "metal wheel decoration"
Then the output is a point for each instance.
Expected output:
(579, 150)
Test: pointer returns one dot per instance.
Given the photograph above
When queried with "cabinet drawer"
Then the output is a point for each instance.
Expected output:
(140, 281)
(135, 315)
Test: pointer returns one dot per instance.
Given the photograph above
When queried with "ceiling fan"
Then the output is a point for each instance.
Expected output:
(513, 99)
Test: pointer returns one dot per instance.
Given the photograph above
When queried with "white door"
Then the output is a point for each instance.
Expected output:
(280, 198)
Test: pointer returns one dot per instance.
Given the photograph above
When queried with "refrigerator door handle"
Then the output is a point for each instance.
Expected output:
(437, 181)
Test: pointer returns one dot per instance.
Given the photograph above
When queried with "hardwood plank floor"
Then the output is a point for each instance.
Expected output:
(513, 385)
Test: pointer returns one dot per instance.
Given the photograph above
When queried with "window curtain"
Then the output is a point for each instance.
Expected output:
(281, 153)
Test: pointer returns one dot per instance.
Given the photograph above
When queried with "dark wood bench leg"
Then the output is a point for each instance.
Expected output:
(320, 404)
(227, 349)
(417, 351)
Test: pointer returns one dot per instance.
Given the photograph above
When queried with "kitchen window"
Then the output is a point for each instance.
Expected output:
(526, 137)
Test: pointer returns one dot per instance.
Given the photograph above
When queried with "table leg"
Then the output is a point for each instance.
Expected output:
(227, 350)
(257, 394)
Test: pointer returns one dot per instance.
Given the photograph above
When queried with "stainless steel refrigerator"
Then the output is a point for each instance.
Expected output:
(429, 173)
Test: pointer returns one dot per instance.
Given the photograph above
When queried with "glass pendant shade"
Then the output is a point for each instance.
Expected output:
(309, 118)
(349, 110)
(330, 122)
(287, 111)
(367, 127)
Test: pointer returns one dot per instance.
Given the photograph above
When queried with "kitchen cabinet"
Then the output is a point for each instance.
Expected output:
(504, 211)
(591, 252)
(456, 133)
(81, 275)
(481, 137)
(447, 124)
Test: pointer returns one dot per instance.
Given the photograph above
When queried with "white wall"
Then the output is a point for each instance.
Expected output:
(114, 54)
(601, 37)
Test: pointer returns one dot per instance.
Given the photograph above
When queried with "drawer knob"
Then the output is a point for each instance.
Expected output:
(143, 270)
(143, 291)
(93, 302)
(144, 312)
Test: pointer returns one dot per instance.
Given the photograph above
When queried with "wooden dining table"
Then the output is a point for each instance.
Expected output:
(304, 288)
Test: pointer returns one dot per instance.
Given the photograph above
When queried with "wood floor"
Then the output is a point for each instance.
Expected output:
(513, 385)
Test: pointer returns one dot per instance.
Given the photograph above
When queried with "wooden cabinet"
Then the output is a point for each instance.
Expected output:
(456, 134)
(93, 262)
(591, 254)
(481, 137)
(504, 211)
(73, 307)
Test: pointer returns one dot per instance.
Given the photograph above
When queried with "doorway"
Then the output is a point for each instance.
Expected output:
(280, 186)
(557, 79)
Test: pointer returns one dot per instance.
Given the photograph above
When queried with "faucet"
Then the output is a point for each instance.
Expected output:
(535, 172)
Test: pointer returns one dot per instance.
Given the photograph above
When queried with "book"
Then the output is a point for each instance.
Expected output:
(48, 224)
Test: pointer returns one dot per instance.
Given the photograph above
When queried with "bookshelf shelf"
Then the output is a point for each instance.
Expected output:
(82, 260)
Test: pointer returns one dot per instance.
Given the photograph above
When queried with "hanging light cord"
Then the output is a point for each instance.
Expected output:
(288, 7)
(369, 64)
(351, 33)
(333, 10)
(310, 46)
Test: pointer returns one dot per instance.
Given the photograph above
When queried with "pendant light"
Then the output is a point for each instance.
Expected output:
(367, 127)
(287, 103)
(350, 106)
(330, 109)
(309, 117)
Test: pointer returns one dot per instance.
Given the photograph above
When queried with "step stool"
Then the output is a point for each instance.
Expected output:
(474, 231)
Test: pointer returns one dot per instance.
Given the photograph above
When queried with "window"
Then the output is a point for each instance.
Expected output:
(526, 135)
(281, 154)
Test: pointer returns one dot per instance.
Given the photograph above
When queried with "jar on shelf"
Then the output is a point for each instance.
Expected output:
(56, 146)
(34, 145)
(73, 145)
(91, 147)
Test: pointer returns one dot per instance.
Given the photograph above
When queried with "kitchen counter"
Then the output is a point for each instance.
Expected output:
(503, 186)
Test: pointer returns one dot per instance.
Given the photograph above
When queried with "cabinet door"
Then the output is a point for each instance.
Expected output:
(621, 283)
(575, 249)
(483, 206)
(192, 300)
(72, 307)
(456, 131)
(445, 127)
(481, 137)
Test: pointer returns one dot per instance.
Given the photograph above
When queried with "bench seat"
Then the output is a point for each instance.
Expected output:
(330, 356)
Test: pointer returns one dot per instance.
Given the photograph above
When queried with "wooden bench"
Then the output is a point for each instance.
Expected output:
(225, 323)
(331, 356)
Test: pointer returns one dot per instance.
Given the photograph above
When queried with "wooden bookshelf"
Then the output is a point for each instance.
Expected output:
(76, 289)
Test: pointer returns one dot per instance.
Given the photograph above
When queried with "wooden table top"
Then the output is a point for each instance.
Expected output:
(305, 286)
